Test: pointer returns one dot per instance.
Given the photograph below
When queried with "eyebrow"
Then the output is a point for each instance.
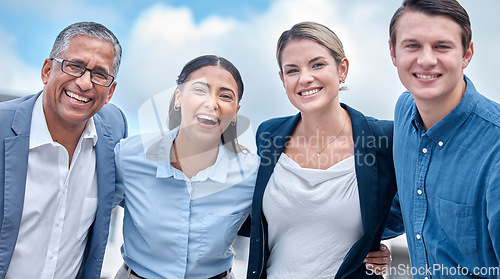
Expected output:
(310, 61)
(416, 41)
(316, 59)
(202, 83)
(446, 42)
(408, 41)
(96, 68)
(227, 89)
(208, 85)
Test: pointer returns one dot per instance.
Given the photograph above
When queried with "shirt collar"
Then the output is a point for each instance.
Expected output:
(216, 172)
(445, 128)
(39, 131)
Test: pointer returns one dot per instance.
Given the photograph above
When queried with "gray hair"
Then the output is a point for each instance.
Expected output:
(89, 29)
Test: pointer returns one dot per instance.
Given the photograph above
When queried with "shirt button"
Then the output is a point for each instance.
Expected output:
(424, 150)
(419, 192)
(419, 236)
(440, 143)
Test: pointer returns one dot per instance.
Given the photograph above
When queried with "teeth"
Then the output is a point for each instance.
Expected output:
(206, 117)
(78, 97)
(310, 92)
(426, 76)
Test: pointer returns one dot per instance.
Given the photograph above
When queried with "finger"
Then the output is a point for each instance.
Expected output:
(373, 254)
(376, 256)
(383, 247)
(385, 260)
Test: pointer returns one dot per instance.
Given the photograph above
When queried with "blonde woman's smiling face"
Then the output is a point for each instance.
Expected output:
(310, 75)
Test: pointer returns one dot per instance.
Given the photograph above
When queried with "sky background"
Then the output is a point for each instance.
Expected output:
(159, 37)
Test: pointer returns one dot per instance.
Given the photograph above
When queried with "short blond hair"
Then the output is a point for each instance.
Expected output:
(313, 31)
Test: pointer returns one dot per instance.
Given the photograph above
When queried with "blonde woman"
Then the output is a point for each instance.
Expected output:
(326, 179)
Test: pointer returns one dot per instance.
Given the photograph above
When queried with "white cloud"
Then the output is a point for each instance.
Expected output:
(16, 77)
(161, 41)
(164, 39)
(174, 27)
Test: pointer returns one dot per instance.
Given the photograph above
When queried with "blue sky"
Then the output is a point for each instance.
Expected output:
(37, 23)
(159, 37)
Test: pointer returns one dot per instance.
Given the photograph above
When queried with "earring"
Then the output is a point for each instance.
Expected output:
(233, 122)
(176, 108)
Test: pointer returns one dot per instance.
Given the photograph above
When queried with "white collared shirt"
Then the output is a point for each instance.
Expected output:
(59, 204)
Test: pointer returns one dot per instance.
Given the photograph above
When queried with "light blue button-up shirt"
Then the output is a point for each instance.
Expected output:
(449, 187)
(175, 227)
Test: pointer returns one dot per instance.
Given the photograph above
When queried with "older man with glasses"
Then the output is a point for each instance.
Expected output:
(57, 170)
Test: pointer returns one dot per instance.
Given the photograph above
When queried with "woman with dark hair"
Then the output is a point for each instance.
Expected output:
(187, 192)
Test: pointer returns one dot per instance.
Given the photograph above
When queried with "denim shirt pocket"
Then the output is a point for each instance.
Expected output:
(458, 222)
(219, 232)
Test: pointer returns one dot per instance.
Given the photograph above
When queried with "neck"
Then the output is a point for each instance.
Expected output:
(433, 111)
(325, 124)
(190, 157)
(67, 136)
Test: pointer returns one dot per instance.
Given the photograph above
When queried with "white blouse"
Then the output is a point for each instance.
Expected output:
(313, 216)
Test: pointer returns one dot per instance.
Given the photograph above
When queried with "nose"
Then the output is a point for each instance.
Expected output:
(427, 57)
(211, 101)
(84, 82)
(306, 77)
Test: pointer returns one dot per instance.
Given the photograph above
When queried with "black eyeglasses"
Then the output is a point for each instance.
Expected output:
(76, 70)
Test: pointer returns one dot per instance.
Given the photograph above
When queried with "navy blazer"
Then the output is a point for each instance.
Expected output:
(15, 125)
(376, 185)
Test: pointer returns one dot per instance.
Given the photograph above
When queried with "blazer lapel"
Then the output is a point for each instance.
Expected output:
(270, 155)
(366, 168)
(105, 168)
(367, 177)
(16, 167)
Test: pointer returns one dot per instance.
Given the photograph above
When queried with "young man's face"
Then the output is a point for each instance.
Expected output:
(430, 57)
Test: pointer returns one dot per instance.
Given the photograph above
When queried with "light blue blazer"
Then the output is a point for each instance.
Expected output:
(15, 123)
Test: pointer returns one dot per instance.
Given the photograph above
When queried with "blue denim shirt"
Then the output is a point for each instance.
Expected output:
(449, 187)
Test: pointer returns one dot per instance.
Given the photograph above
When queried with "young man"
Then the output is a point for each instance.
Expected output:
(57, 170)
(446, 145)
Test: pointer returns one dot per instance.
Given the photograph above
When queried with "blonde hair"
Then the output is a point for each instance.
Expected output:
(313, 31)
